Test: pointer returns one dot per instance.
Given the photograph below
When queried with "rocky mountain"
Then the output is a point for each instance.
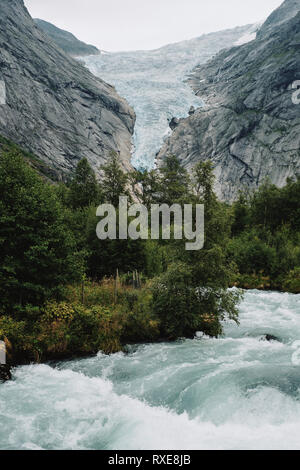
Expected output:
(153, 82)
(287, 10)
(250, 125)
(53, 106)
(66, 41)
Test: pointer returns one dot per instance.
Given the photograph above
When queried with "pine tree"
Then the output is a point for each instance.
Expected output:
(145, 185)
(37, 248)
(114, 181)
(203, 179)
(84, 189)
(174, 182)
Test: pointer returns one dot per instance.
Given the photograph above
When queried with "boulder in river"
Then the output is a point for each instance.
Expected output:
(174, 123)
(270, 338)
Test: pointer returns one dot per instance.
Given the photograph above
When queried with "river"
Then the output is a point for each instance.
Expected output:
(236, 392)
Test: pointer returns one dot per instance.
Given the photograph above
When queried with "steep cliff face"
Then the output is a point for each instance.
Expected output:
(66, 41)
(250, 126)
(54, 107)
(287, 10)
(153, 83)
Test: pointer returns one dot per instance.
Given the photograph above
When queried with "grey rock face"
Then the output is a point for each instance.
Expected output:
(2, 92)
(174, 123)
(55, 107)
(152, 82)
(287, 10)
(249, 127)
(66, 41)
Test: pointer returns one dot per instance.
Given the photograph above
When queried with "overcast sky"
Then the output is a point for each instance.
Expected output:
(118, 25)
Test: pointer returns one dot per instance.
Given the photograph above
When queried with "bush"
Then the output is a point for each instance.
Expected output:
(252, 254)
(292, 282)
(183, 308)
(74, 330)
(141, 323)
(17, 334)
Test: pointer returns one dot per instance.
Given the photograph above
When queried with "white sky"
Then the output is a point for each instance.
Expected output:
(118, 25)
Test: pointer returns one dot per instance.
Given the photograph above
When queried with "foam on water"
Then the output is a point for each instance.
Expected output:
(236, 392)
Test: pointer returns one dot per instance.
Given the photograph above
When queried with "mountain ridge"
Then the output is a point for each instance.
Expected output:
(55, 108)
(66, 41)
(153, 83)
(249, 126)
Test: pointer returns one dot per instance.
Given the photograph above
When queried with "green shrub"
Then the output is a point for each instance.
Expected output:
(183, 308)
(292, 281)
(141, 323)
(20, 339)
(252, 254)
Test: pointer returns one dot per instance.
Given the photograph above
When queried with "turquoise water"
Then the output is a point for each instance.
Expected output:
(236, 392)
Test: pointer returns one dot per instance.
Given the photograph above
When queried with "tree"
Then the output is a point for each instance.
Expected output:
(106, 256)
(145, 185)
(208, 271)
(114, 181)
(184, 307)
(37, 248)
(265, 206)
(241, 214)
(84, 189)
(203, 179)
(174, 182)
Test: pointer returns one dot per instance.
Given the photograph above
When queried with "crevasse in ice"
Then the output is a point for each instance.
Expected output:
(153, 84)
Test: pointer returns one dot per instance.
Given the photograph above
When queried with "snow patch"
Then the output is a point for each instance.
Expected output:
(250, 35)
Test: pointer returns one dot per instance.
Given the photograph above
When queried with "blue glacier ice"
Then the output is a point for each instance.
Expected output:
(153, 84)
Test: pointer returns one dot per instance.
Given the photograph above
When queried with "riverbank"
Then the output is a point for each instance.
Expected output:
(289, 283)
(235, 392)
(92, 317)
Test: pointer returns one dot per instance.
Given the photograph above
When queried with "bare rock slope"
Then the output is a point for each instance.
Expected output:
(250, 126)
(53, 106)
(66, 41)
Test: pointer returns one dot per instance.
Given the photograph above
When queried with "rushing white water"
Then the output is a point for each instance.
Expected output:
(236, 392)
(153, 84)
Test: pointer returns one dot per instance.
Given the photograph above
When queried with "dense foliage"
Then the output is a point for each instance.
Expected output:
(64, 292)
(265, 242)
(36, 244)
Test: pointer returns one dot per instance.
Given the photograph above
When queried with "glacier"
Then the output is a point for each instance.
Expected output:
(153, 82)
(250, 35)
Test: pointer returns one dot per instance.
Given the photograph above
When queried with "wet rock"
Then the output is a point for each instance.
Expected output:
(5, 373)
(174, 123)
(269, 337)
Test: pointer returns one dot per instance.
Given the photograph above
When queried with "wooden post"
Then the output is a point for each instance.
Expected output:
(116, 287)
(82, 291)
(133, 279)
